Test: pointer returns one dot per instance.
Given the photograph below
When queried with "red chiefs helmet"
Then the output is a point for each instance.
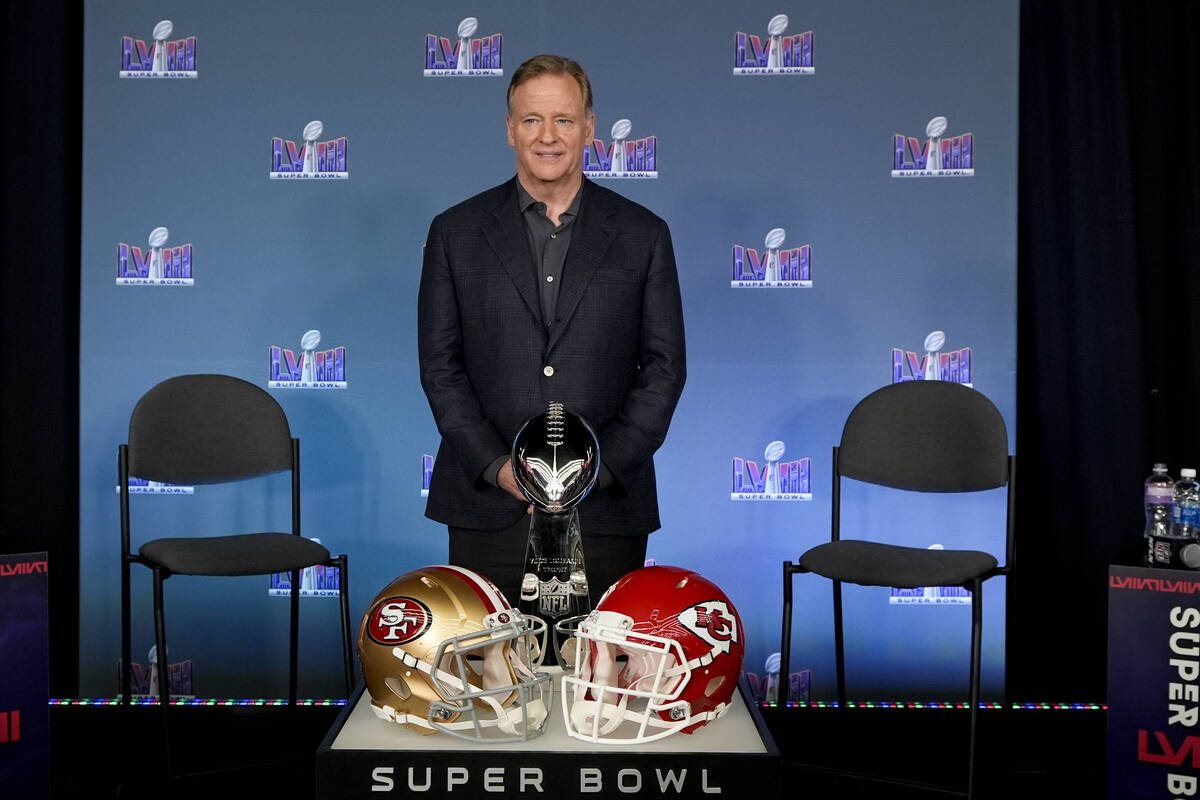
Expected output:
(661, 653)
(443, 651)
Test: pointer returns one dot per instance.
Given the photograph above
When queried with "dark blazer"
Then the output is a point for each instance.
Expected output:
(614, 355)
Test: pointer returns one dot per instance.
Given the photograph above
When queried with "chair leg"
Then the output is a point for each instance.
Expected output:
(344, 597)
(785, 642)
(126, 635)
(839, 643)
(976, 648)
(294, 646)
(164, 678)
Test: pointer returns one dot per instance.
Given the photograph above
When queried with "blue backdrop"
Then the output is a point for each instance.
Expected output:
(252, 262)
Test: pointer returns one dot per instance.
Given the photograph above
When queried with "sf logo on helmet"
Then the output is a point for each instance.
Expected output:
(396, 620)
(713, 622)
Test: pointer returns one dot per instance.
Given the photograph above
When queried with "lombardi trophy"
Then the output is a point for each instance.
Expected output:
(556, 460)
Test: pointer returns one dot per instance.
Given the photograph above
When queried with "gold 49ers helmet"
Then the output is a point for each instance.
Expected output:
(443, 650)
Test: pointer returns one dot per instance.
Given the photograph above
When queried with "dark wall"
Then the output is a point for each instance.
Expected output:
(1107, 281)
(39, 307)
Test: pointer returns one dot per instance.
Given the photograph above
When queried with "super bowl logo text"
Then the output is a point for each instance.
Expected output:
(470, 55)
(157, 265)
(314, 369)
(315, 581)
(163, 59)
(627, 158)
(935, 365)
(313, 160)
(426, 474)
(776, 480)
(938, 156)
(777, 268)
(143, 486)
(783, 55)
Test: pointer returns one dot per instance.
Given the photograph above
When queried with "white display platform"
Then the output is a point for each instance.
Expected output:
(366, 757)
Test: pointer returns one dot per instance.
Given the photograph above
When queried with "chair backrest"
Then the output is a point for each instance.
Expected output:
(925, 436)
(198, 429)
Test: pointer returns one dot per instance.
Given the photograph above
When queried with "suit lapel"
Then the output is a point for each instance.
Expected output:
(593, 234)
(506, 235)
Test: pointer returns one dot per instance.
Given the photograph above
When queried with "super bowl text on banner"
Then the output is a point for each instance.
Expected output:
(24, 686)
(939, 156)
(777, 268)
(468, 56)
(782, 55)
(775, 480)
(1153, 683)
(314, 369)
(158, 265)
(162, 59)
(312, 160)
(951, 365)
(626, 158)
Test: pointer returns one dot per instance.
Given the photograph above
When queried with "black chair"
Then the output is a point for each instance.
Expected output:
(921, 436)
(207, 429)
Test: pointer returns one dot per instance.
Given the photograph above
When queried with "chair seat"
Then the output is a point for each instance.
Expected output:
(246, 554)
(876, 564)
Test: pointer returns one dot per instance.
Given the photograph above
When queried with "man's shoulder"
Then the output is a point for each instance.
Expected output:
(609, 203)
(486, 203)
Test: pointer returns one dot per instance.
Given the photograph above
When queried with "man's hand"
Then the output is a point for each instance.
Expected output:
(508, 482)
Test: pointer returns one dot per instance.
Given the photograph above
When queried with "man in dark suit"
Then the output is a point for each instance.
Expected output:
(548, 288)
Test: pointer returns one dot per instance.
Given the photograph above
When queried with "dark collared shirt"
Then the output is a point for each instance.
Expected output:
(549, 244)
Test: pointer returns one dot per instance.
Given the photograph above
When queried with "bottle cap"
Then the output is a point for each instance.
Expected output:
(1160, 467)
(1187, 472)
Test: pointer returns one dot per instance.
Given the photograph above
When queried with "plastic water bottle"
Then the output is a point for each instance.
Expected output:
(1185, 506)
(1160, 492)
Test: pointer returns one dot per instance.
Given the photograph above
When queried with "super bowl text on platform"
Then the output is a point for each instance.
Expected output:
(467, 56)
(1183, 707)
(592, 781)
(162, 59)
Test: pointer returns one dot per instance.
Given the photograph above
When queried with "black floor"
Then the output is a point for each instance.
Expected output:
(110, 752)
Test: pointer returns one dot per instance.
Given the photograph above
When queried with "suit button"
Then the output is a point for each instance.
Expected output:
(548, 371)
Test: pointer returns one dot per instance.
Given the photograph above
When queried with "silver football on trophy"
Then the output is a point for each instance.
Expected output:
(556, 459)
(163, 29)
(312, 130)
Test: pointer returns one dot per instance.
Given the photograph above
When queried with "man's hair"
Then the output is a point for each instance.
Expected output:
(549, 64)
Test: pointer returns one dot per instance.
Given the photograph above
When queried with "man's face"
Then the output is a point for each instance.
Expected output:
(548, 128)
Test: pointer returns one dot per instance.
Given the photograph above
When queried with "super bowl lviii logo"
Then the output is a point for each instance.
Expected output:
(782, 55)
(162, 58)
(930, 595)
(775, 480)
(625, 158)
(315, 581)
(936, 364)
(938, 156)
(157, 265)
(426, 474)
(468, 55)
(314, 369)
(311, 160)
(776, 268)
